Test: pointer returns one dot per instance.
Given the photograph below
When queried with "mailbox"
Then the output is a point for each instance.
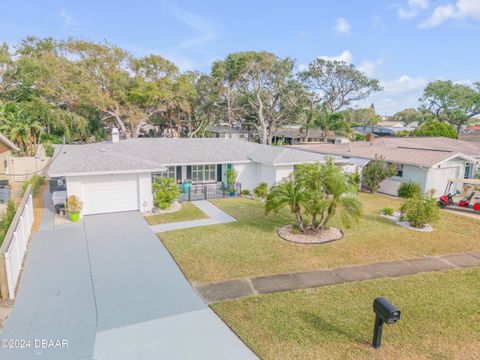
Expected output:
(388, 312)
(385, 312)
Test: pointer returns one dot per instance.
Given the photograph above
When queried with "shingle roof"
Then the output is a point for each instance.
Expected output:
(153, 154)
(421, 151)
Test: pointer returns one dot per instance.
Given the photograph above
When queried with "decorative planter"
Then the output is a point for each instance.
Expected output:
(74, 217)
(232, 193)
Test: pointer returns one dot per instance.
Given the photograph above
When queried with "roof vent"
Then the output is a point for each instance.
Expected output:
(115, 136)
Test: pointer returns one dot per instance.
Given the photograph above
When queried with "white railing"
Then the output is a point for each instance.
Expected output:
(15, 244)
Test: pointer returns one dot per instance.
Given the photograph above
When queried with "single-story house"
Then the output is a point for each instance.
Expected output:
(6, 147)
(429, 161)
(376, 130)
(293, 136)
(392, 124)
(223, 131)
(117, 175)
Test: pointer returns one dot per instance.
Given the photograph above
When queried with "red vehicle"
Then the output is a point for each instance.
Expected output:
(466, 199)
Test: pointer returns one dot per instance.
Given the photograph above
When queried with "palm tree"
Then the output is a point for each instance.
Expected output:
(22, 128)
(288, 193)
(317, 190)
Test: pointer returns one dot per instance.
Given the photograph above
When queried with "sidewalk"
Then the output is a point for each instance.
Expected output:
(216, 216)
(238, 288)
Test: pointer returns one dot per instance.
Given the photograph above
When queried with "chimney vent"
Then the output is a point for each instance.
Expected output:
(115, 136)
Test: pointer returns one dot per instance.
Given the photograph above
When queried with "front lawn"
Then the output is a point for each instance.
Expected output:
(186, 213)
(251, 247)
(440, 319)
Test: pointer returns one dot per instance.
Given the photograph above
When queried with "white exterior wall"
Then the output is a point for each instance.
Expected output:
(145, 196)
(283, 172)
(410, 173)
(267, 174)
(247, 175)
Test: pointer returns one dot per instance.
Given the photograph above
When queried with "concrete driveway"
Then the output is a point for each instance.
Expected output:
(107, 288)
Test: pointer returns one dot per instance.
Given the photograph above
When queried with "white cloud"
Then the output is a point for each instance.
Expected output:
(342, 26)
(67, 18)
(397, 94)
(412, 9)
(369, 67)
(462, 9)
(192, 52)
(345, 56)
(205, 30)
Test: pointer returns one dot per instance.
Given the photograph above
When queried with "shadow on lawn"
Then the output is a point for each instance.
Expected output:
(323, 326)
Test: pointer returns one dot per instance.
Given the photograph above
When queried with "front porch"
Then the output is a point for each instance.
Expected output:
(200, 181)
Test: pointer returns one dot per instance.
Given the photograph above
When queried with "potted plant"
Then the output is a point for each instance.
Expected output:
(231, 176)
(74, 206)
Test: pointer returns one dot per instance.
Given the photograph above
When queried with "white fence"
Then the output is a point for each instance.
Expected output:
(15, 244)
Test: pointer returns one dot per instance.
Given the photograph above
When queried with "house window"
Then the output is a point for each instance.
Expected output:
(204, 173)
(170, 173)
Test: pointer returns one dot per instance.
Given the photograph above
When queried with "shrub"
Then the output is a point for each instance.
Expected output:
(409, 189)
(165, 191)
(261, 191)
(436, 128)
(376, 171)
(7, 220)
(354, 178)
(245, 192)
(73, 205)
(387, 211)
(421, 210)
(36, 181)
(360, 137)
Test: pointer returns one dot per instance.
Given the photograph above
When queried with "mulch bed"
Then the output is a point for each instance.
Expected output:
(287, 232)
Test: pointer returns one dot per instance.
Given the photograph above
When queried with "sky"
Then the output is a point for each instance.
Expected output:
(403, 43)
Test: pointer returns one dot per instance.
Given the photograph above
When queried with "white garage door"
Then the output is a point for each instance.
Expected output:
(110, 193)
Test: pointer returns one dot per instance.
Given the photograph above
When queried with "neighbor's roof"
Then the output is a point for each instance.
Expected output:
(296, 133)
(7, 142)
(225, 130)
(153, 154)
(420, 151)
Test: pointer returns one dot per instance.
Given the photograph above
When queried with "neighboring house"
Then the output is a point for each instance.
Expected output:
(117, 176)
(6, 147)
(392, 124)
(224, 132)
(293, 136)
(376, 130)
(470, 133)
(429, 161)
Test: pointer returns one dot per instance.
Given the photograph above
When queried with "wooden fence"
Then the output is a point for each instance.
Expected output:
(14, 246)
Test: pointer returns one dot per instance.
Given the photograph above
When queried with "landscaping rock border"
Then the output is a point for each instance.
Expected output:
(310, 237)
(396, 219)
(173, 208)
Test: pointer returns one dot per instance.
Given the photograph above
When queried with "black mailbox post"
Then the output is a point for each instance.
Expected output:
(385, 312)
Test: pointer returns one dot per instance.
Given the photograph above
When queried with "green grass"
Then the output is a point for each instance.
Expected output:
(251, 247)
(186, 213)
(440, 319)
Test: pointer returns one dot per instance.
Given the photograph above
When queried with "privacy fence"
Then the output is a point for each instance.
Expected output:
(14, 246)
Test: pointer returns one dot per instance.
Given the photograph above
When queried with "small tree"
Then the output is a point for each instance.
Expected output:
(316, 190)
(165, 192)
(261, 191)
(287, 193)
(376, 171)
(436, 128)
(421, 210)
(231, 176)
(409, 189)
